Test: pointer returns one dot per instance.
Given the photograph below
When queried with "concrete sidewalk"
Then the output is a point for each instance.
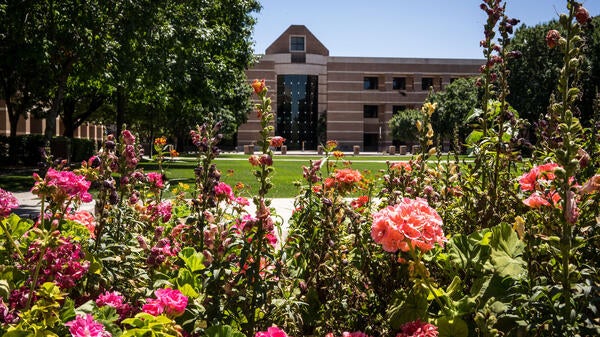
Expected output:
(29, 206)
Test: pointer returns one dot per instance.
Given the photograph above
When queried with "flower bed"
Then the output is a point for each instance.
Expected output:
(431, 247)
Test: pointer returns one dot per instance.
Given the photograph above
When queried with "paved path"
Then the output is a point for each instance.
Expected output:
(29, 206)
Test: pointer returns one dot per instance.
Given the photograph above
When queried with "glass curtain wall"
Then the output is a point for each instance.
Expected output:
(297, 110)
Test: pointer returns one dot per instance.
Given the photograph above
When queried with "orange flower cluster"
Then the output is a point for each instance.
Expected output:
(259, 86)
(162, 141)
(338, 154)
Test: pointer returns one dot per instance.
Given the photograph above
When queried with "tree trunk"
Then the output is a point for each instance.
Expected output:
(121, 107)
(13, 118)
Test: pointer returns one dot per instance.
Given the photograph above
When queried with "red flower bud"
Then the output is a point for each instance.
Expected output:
(552, 38)
(582, 15)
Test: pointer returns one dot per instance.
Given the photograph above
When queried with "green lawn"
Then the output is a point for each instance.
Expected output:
(234, 168)
(287, 170)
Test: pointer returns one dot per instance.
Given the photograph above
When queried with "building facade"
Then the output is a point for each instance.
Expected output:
(32, 125)
(347, 99)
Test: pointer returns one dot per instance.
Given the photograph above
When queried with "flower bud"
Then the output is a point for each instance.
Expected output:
(552, 38)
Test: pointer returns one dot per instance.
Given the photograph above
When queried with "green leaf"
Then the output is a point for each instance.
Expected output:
(192, 259)
(67, 312)
(452, 327)
(507, 250)
(470, 252)
(409, 307)
(222, 331)
(474, 137)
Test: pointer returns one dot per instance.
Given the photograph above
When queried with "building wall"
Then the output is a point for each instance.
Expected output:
(342, 94)
(31, 125)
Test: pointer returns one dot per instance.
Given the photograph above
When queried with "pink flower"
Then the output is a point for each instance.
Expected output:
(591, 185)
(112, 299)
(539, 174)
(128, 137)
(62, 185)
(86, 326)
(242, 201)
(164, 210)
(153, 307)
(351, 334)
(173, 301)
(224, 190)
(8, 202)
(276, 141)
(273, 331)
(408, 225)
(418, 329)
(155, 179)
(85, 218)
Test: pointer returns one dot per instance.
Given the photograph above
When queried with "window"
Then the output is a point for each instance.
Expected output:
(396, 109)
(399, 83)
(298, 58)
(296, 43)
(371, 83)
(453, 79)
(426, 83)
(370, 111)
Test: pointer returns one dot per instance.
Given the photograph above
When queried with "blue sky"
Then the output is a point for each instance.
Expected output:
(397, 28)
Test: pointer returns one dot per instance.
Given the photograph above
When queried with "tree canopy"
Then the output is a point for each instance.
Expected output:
(158, 67)
(533, 77)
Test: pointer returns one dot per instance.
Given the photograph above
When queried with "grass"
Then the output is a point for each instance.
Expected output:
(234, 168)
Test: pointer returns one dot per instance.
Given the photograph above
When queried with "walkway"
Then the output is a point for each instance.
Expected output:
(29, 206)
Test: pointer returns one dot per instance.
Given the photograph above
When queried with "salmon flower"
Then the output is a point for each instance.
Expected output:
(411, 224)
(401, 165)
(276, 141)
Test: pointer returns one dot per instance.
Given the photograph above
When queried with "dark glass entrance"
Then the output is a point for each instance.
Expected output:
(297, 110)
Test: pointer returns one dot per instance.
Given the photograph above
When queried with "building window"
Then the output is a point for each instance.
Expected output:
(298, 58)
(426, 83)
(297, 110)
(370, 83)
(370, 111)
(453, 79)
(296, 43)
(399, 83)
(396, 109)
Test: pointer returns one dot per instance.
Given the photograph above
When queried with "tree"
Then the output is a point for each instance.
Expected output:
(23, 62)
(454, 104)
(404, 126)
(533, 76)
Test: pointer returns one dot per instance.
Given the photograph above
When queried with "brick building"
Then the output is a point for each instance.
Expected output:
(348, 99)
